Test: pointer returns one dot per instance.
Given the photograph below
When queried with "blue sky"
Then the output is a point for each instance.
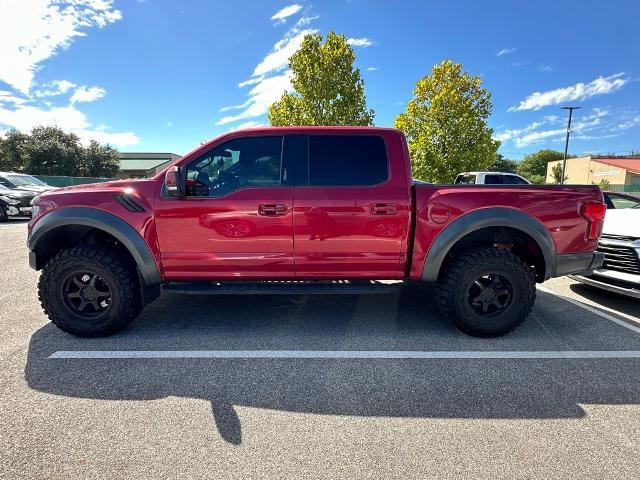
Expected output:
(160, 75)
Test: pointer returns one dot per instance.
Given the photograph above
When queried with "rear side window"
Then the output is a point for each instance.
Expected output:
(493, 179)
(513, 180)
(347, 160)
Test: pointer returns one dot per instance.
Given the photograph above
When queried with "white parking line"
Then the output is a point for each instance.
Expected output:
(340, 354)
(591, 309)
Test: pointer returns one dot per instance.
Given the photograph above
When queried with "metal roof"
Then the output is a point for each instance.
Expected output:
(127, 164)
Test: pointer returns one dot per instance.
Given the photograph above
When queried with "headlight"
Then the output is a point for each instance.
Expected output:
(35, 209)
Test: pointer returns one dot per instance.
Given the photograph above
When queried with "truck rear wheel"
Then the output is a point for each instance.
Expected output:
(89, 291)
(486, 292)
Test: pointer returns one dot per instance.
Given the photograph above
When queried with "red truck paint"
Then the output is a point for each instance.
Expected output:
(397, 229)
(326, 232)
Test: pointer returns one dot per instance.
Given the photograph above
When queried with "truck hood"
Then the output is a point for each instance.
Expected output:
(623, 221)
(104, 185)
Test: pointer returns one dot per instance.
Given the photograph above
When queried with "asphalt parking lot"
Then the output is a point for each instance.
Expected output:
(558, 399)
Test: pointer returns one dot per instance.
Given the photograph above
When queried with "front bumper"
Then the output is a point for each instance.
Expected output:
(617, 282)
(577, 263)
(12, 210)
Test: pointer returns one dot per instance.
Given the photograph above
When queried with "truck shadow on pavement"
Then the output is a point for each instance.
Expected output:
(464, 389)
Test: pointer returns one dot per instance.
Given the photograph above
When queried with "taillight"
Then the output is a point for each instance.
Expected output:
(594, 215)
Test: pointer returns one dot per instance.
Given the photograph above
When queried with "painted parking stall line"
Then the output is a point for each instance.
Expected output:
(341, 354)
(596, 311)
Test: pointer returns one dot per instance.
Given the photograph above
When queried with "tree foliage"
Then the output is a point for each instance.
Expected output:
(556, 174)
(501, 164)
(329, 90)
(446, 124)
(52, 151)
(534, 165)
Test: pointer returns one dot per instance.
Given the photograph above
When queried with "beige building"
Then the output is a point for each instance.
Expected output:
(617, 170)
(141, 164)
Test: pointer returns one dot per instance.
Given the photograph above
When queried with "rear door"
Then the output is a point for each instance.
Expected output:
(352, 207)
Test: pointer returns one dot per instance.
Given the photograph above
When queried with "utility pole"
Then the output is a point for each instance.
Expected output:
(566, 142)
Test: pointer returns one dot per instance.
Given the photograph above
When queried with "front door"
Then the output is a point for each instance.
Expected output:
(236, 221)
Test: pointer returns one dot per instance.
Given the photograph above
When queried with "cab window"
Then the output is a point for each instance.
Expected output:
(513, 180)
(239, 163)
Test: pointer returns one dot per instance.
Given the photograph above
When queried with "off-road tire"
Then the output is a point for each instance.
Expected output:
(452, 291)
(110, 265)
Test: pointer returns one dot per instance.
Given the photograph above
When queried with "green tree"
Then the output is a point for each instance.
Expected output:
(556, 173)
(604, 184)
(534, 165)
(329, 90)
(99, 161)
(501, 164)
(446, 124)
(52, 151)
(14, 151)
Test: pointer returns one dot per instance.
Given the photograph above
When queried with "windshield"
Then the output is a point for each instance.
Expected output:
(25, 180)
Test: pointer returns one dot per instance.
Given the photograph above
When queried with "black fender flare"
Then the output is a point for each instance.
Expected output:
(483, 218)
(91, 217)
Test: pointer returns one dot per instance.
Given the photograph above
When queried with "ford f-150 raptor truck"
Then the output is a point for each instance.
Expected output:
(305, 210)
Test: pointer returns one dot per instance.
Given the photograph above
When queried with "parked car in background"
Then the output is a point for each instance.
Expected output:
(22, 197)
(620, 243)
(490, 178)
(22, 181)
(8, 208)
(620, 200)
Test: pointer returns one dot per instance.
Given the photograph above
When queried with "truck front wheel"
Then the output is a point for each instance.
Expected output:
(486, 292)
(89, 291)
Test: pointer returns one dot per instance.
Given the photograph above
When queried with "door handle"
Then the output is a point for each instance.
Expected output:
(384, 209)
(272, 209)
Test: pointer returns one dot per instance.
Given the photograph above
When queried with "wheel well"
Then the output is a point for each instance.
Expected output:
(516, 241)
(68, 236)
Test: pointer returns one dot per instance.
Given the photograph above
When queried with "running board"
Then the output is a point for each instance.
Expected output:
(338, 287)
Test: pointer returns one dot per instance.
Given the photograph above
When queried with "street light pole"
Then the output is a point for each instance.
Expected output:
(566, 142)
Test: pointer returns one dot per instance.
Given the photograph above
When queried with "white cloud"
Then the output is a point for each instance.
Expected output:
(52, 89)
(24, 118)
(600, 123)
(278, 57)
(372, 69)
(545, 68)
(266, 92)
(579, 91)
(505, 51)
(281, 15)
(87, 94)
(38, 29)
(8, 97)
(271, 77)
(360, 42)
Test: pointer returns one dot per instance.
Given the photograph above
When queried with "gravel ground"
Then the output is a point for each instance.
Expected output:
(315, 418)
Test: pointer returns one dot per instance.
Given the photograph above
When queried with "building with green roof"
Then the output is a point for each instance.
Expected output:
(143, 164)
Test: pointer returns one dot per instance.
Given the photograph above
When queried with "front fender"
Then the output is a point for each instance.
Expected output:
(91, 217)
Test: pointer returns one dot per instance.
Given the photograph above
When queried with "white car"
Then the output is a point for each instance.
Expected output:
(490, 178)
(620, 243)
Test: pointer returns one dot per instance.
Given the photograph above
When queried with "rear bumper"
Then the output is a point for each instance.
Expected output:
(605, 283)
(577, 263)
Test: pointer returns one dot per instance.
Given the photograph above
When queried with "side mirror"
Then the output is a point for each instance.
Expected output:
(173, 184)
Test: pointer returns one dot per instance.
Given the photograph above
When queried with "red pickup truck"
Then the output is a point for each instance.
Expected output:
(305, 210)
